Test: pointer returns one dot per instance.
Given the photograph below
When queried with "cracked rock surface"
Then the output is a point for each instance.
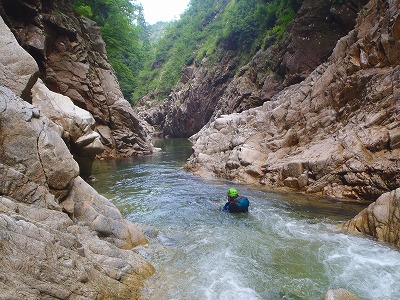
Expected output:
(59, 239)
(336, 133)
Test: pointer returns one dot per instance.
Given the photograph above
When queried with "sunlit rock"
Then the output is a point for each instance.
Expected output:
(77, 123)
(19, 70)
(340, 294)
(381, 219)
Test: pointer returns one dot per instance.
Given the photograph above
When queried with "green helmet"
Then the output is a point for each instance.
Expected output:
(232, 192)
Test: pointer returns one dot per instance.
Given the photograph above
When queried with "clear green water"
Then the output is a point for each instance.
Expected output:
(286, 247)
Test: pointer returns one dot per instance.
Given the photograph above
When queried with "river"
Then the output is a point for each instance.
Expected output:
(286, 247)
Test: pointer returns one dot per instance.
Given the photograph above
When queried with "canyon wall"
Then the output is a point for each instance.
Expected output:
(72, 60)
(209, 88)
(59, 239)
(335, 133)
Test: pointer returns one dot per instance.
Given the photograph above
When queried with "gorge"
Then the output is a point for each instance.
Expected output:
(316, 112)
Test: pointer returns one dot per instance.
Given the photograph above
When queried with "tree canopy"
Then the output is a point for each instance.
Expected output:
(208, 28)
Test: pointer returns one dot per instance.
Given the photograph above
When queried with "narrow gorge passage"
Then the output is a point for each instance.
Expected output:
(286, 247)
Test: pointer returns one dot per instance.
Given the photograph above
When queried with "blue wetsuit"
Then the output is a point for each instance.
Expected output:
(237, 204)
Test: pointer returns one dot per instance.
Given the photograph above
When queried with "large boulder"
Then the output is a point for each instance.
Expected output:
(86, 207)
(31, 145)
(380, 219)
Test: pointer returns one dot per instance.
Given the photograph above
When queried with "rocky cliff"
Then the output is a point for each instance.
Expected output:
(59, 239)
(335, 133)
(72, 61)
(209, 88)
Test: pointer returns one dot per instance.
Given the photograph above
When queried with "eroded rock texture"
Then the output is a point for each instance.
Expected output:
(380, 219)
(210, 88)
(335, 133)
(59, 239)
(72, 60)
(77, 126)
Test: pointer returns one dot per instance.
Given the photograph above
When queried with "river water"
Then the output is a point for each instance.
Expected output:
(286, 247)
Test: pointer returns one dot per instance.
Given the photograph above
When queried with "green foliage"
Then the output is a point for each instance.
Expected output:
(284, 13)
(148, 61)
(125, 34)
(210, 28)
(84, 10)
(179, 47)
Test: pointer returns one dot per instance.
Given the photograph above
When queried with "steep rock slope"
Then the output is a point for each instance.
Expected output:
(72, 60)
(336, 133)
(210, 88)
(309, 42)
(59, 239)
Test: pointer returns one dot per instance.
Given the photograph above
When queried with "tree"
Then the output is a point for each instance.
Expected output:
(209, 28)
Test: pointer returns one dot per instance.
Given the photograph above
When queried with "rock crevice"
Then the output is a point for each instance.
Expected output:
(72, 60)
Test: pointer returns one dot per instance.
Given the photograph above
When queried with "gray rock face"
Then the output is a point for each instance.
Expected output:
(73, 62)
(59, 239)
(210, 88)
(19, 70)
(335, 133)
(77, 125)
(32, 145)
(45, 256)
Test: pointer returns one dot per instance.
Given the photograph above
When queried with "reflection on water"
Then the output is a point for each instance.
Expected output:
(286, 247)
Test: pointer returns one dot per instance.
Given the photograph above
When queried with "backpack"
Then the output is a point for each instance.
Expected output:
(241, 204)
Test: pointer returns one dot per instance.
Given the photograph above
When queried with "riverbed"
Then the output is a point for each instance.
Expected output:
(286, 247)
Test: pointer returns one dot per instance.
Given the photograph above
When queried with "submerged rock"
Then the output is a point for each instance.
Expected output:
(340, 294)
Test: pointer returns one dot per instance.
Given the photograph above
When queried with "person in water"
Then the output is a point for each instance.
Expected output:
(235, 202)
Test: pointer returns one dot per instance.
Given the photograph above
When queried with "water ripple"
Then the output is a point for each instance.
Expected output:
(286, 247)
